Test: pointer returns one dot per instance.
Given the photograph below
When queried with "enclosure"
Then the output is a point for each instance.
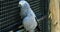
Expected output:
(10, 14)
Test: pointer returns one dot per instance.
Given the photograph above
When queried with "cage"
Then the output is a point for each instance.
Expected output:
(10, 18)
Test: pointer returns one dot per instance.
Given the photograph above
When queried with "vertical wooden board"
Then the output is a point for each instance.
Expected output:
(59, 13)
(54, 9)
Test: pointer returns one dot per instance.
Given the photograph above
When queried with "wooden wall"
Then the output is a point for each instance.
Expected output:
(55, 11)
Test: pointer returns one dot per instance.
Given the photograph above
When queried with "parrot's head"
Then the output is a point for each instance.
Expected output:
(24, 4)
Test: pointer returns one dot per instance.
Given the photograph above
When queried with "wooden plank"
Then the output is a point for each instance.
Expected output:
(54, 9)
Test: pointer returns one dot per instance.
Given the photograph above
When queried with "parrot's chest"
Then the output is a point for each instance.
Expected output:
(30, 23)
(30, 20)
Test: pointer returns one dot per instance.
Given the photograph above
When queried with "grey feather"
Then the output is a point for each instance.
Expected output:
(27, 13)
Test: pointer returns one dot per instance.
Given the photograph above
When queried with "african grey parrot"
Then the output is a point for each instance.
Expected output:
(28, 16)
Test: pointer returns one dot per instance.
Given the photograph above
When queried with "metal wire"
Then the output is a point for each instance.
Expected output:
(9, 15)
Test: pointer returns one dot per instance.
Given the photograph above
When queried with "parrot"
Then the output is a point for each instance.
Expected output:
(29, 21)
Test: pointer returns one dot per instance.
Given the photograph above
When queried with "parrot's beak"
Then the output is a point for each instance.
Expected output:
(20, 3)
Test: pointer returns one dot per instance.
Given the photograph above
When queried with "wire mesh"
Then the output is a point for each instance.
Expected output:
(9, 15)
